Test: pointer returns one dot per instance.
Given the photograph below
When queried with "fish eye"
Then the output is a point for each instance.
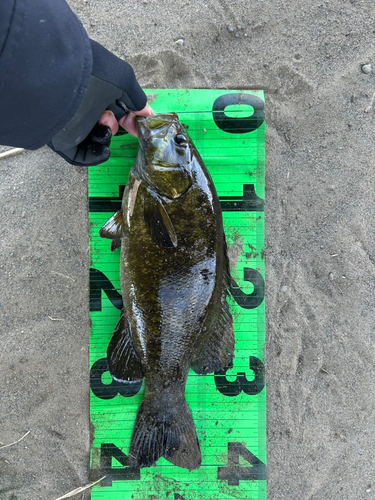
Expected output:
(179, 139)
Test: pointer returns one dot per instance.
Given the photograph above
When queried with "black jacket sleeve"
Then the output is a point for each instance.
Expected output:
(53, 78)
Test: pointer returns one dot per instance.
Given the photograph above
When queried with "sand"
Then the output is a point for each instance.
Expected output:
(320, 218)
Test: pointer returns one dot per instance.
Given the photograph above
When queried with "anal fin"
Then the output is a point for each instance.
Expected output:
(123, 362)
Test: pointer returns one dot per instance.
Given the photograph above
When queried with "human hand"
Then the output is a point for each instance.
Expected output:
(108, 119)
(85, 139)
(95, 148)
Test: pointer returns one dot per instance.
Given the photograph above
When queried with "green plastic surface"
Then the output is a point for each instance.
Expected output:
(229, 409)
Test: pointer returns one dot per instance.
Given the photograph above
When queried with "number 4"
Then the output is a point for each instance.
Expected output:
(124, 473)
(234, 472)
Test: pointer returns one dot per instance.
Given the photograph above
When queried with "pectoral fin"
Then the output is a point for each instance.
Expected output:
(131, 199)
(123, 362)
(158, 222)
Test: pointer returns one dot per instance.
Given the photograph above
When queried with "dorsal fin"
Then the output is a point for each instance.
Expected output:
(218, 351)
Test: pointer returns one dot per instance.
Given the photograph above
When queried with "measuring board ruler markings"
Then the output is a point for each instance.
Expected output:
(228, 407)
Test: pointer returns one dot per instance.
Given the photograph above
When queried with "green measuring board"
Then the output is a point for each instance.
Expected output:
(228, 407)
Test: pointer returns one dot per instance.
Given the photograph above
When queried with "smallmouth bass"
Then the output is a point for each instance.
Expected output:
(174, 282)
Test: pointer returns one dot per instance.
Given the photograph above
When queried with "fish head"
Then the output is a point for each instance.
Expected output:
(165, 155)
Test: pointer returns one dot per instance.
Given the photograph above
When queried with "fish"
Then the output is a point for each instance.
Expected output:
(175, 280)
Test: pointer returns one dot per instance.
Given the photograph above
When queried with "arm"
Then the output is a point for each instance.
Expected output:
(55, 83)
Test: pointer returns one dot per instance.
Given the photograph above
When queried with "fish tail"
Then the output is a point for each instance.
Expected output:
(164, 427)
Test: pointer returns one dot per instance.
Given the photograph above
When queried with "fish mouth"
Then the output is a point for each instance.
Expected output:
(152, 126)
(146, 125)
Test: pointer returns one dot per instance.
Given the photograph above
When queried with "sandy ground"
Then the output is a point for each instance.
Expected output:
(320, 253)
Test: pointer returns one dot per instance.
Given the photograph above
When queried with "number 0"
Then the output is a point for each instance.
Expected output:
(238, 125)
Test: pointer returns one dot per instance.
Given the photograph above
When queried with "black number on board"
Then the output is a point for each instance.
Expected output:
(251, 388)
(238, 125)
(108, 451)
(256, 297)
(248, 202)
(99, 282)
(234, 472)
(110, 391)
(107, 203)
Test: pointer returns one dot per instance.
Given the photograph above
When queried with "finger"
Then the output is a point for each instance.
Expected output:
(109, 120)
(100, 134)
(94, 154)
(128, 123)
(146, 111)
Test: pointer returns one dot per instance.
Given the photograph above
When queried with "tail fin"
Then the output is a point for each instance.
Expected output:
(164, 430)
